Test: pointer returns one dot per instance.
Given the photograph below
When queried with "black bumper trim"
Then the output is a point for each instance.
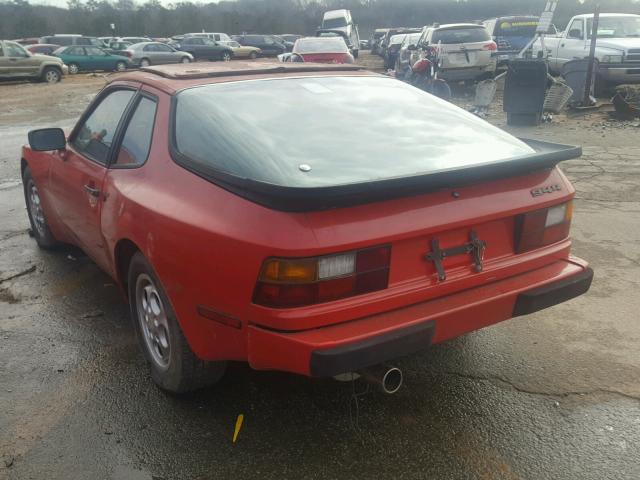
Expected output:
(553, 293)
(372, 351)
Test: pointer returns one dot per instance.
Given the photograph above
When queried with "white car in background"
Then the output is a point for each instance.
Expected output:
(466, 51)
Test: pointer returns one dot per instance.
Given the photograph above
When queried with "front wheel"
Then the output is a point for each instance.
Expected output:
(35, 211)
(145, 62)
(226, 57)
(121, 66)
(185, 60)
(253, 55)
(174, 366)
(51, 75)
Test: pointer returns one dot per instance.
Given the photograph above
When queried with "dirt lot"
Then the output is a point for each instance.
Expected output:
(555, 395)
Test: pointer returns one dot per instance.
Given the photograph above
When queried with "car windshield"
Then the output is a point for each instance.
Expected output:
(334, 22)
(516, 27)
(411, 39)
(461, 35)
(397, 39)
(324, 143)
(320, 45)
(616, 27)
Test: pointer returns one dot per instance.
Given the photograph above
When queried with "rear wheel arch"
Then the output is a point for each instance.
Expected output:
(123, 253)
(23, 166)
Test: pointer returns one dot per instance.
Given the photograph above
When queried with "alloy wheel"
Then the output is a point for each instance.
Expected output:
(35, 208)
(51, 76)
(154, 324)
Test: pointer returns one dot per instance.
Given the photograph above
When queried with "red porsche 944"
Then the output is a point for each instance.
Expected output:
(247, 215)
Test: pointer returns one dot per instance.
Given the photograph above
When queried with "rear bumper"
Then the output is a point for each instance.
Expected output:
(453, 74)
(372, 340)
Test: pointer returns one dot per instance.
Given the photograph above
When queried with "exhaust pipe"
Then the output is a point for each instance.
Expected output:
(386, 378)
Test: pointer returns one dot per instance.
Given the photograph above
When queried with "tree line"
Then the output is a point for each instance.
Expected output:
(19, 18)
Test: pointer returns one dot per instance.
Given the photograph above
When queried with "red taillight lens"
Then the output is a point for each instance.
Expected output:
(491, 46)
(286, 283)
(127, 53)
(543, 227)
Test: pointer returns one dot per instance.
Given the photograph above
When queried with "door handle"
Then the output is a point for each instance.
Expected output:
(13, 59)
(94, 192)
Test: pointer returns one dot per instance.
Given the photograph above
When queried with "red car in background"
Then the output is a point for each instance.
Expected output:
(319, 50)
(43, 48)
(318, 249)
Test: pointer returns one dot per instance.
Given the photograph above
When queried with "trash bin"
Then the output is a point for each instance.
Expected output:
(574, 73)
(524, 91)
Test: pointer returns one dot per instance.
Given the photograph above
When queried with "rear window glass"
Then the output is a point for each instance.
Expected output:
(334, 22)
(307, 132)
(461, 35)
(397, 39)
(516, 27)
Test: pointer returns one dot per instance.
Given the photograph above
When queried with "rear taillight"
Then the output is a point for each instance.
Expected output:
(491, 46)
(295, 282)
(543, 227)
(127, 53)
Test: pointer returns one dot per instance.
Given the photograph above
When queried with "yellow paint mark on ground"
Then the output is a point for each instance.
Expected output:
(239, 421)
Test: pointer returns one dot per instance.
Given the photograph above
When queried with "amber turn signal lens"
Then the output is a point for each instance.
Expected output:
(284, 270)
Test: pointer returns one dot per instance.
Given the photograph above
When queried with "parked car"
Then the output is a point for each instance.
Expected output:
(617, 47)
(391, 53)
(384, 42)
(118, 48)
(290, 37)
(465, 51)
(155, 53)
(42, 48)
(319, 50)
(71, 39)
(268, 45)
(511, 34)
(288, 45)
(342, 20)
(27, 41)
(322, 256)
(403, 59)
(365, 45)
(106, 41)
(216, 37)
(132, 40)
(83, 59)
(18, 63)
(202, 48)
(376, 37)
(242, 51)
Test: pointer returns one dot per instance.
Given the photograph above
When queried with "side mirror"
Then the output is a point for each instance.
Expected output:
(575, 33)
(46, 139)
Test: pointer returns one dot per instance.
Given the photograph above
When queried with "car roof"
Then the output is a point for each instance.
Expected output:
(590, 15)
(172, 78)
(458, 25)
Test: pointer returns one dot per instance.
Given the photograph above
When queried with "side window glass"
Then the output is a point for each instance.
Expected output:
(14, 50)
(576, 30)
(96, 134)
(137, 139)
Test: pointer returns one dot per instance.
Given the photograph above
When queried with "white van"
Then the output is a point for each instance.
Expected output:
(216, 37)
(340, 20)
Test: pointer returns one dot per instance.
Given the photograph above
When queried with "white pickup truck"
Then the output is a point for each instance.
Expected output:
(617, 47)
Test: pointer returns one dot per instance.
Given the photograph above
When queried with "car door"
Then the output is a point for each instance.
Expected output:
(77, 175)
(165, 54)
(99, 59)
(573, 45)
(4, 62)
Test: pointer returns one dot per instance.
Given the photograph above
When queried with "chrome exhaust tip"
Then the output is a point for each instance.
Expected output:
(386, 378)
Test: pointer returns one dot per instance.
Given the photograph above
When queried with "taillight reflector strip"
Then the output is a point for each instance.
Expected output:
(287, 283)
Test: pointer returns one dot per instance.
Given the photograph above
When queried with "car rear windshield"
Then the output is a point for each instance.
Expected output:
(516, 27)
(334, 22)
(461, 35)
(307, 132)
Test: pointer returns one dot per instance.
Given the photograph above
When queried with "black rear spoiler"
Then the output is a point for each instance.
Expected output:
(300, 199)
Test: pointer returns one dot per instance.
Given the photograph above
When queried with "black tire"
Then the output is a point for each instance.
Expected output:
(184, 371)
(355, 53)
(145, 62)
(51, 75)
(253, 55)
(226, 56)
(74, 68)
(120, 66)
(39, 228)
(185, 60)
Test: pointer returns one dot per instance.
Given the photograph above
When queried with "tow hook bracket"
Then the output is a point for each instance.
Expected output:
(475, 247)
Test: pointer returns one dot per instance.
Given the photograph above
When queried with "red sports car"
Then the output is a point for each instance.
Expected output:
(320, 50)
(246, 215)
